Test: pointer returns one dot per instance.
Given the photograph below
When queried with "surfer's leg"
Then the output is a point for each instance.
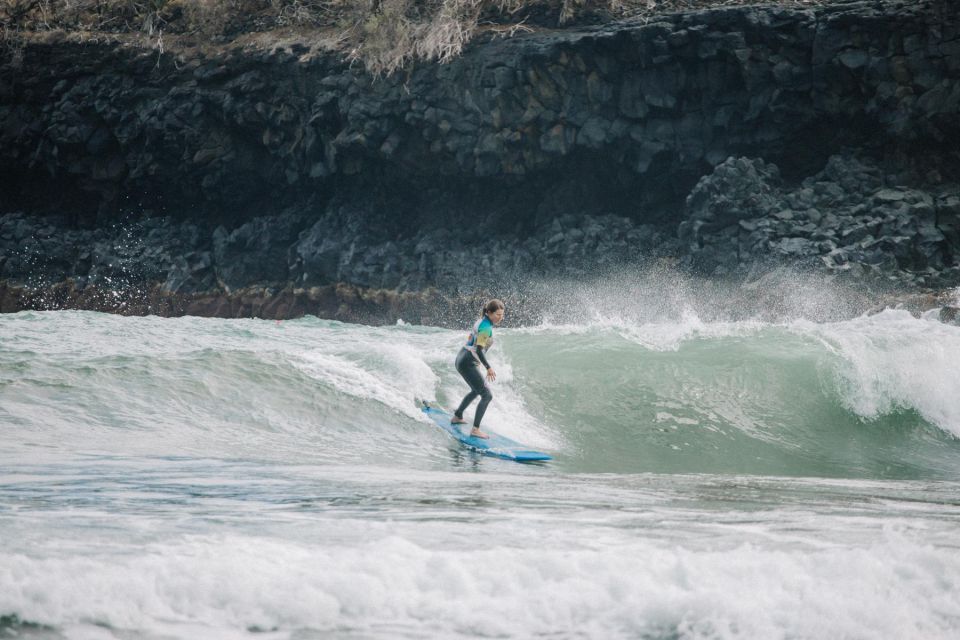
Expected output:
(485, 397)
(471, 374)
(467, 399)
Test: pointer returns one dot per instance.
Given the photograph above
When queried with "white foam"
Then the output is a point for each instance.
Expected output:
(655, 336)
(395, 365)
(893, 361)
(895, 588)
(390, 365)
(671, 336)
(508, 414)
(353, 379)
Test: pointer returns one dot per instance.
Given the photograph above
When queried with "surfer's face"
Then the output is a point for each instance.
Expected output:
(496, 317)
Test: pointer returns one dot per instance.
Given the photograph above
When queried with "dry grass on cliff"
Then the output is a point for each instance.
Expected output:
(386, 35)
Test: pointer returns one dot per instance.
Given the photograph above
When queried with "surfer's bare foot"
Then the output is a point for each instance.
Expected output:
(456, 420)
(476, 433)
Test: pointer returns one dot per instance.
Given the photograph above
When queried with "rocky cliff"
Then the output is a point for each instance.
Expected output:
(717, 140)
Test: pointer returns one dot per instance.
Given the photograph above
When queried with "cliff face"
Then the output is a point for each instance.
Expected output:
(517, 140)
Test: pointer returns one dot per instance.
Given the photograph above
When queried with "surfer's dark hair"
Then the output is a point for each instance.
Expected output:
(492, 306)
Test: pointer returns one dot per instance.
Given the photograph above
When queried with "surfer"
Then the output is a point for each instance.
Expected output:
(470, 357)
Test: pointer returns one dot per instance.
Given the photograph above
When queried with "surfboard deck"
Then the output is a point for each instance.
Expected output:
(496, 445)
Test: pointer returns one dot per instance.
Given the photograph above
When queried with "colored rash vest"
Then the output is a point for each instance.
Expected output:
(480, 339)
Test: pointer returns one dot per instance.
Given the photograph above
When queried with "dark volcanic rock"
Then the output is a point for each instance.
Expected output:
(847, 216)
(257, 251)
(730, 200)
(720, 139)
(114, 126)
(950, 315)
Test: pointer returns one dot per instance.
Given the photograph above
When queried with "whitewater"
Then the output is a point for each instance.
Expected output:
(784, 475)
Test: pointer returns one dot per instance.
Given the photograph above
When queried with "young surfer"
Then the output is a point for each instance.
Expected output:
(470, 357)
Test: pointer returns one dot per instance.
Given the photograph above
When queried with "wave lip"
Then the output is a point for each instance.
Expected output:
(893, 361)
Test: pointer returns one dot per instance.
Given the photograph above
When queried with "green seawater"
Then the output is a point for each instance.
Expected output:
(774, 477)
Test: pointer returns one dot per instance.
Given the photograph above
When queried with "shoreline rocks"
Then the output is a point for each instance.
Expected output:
(851, 223)
(724, 143)
(335, 302)
(772, 296)
(850, 217)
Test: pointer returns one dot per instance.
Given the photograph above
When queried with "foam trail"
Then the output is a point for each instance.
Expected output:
(895, 588)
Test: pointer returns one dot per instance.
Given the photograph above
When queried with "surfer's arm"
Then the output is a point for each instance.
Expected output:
(491, 374)
(484, 338)
(482, 358)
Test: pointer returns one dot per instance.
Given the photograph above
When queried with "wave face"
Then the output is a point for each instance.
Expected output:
(867, 398)
(750, 478)
(872, 397)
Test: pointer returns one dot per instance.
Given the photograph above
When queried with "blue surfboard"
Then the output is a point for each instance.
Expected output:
(496, 445)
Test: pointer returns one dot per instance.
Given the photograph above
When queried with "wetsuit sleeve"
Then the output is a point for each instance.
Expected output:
(484, 340)
(482, 358)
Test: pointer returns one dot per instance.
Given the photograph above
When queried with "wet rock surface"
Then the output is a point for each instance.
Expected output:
(850, 219)
(634, 112)
(288, 251)
(721, 142)
(850, 222)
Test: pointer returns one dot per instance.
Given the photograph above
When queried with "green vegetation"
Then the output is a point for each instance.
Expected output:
(385, 35)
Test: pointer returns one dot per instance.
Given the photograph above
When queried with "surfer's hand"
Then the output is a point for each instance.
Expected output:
(491, 374)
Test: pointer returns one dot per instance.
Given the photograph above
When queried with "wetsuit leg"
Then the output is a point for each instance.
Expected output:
(467, 368)
(485, 399)
(467, 399)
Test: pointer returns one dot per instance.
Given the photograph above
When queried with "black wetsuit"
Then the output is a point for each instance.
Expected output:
(469, 359)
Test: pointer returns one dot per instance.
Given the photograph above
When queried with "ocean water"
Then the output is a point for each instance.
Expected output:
(791, 477)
